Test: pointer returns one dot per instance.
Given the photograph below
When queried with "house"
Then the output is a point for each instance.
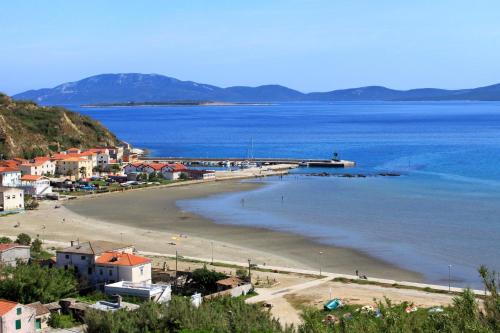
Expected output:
(11, 254)
(15, 317)
(160, 293)
(11, 199)
(36, 185)
(102, 156)
(133, 168)
(77, 167)
(110, 306)
(10, 176)
(201, 174)
(229, 283)
(41, 166)
(42, 315)
(116, 266)
(73, 151)
(173, 171)
(152, 167)
(82, 256)
(116, 153)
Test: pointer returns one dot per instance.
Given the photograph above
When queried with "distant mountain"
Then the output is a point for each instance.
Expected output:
(134, 87)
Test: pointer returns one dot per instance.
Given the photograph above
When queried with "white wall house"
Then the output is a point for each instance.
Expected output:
(132, 167)
(11, 199)
(15, 317)
(173, 171)
(9, 176)
(82, 256)
(10, 254)
(112, 267)
(36, 185)
(41, 166)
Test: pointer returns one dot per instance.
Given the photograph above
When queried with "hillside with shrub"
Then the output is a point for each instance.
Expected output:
(28, 130)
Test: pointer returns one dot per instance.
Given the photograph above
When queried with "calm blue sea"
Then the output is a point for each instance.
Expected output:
(444, 210)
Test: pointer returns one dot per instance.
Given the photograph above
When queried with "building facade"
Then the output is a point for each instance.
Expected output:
(11, 254)
(11, 199)
(16, 318)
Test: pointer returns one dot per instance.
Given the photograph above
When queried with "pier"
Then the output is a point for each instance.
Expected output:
(233, 161)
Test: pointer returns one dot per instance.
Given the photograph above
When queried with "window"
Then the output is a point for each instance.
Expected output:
(19, 311)
(66, 256)
(101, 272)
(110, 273)
(89, 271)
(18, 324)
(142, 270)
(84, 257)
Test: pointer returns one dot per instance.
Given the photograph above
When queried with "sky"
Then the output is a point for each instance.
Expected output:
(309, 45)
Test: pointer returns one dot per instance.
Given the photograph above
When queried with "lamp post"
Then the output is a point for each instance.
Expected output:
(250, 270)
(449, 278)
(212, 244)
(320, 254)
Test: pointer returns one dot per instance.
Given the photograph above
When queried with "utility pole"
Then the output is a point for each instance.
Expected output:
(212, 244)
(176, 266)
(250, 270)
(449, 278)
(320, 253)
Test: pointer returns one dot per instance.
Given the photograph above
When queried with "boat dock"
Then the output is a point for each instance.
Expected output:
(232, 161)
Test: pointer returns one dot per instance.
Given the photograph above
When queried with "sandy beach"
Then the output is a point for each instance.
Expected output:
(151, 221)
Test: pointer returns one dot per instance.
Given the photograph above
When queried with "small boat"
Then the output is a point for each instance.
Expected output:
(333, 304)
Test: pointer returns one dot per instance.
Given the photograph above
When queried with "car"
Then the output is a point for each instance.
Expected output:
(87, 188)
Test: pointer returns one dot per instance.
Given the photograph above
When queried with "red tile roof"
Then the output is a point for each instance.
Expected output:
(9, 163)
(8, 169)
(121, 259)
(155, 166)
(5, 247)
(42, 159)
(6, 306)
(31, 178)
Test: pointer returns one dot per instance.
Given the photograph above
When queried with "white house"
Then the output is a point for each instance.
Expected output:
(10, 176)
(15, 317)
(11, 199)
(40, 166)
(102, 156)
(132, 167)
(36, 185)
(10, 254)
(116, 266)
(82, 256)
(173, 171)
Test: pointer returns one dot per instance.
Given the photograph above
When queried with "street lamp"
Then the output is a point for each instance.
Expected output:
(212, 244)
(250, 270)
(320, 253)
(449, 278)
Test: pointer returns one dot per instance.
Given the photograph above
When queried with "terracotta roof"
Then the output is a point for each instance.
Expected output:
(5, 247)
(136, 164)
(8, 169)
(31, 178)
(87, 153)
(74, 159)
(97, 150)
(177, 167)
(9, 163)
(40, 309)
(6, 306)
(32, 163)
(69, 149)
(121, 259)
(155, 166)
(41, 159)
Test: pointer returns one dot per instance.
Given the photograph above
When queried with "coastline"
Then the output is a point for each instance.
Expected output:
(156, 210)
(151, 220)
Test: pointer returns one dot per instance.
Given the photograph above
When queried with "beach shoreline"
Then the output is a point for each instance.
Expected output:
(152, 221)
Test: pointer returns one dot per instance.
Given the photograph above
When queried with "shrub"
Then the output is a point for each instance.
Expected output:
(23, 239)
(57, 320)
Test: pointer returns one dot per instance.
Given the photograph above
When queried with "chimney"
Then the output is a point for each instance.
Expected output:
(72, 243)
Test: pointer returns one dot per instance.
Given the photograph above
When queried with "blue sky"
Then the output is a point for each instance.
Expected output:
(314, 45)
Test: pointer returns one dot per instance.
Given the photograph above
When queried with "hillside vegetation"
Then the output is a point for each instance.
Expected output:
(27, 129)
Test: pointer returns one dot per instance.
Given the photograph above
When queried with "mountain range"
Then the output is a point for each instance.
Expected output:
(135, 87)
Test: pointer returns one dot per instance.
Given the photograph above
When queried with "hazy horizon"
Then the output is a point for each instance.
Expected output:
(309, 46)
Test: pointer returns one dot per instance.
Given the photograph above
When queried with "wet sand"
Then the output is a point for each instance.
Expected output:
(152, 221)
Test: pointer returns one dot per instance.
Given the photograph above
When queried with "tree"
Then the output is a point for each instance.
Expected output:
(5, 240)
(183, 176)
(27, 283)
(23, 239)
(205, 279)
(36, 246)
(83, 172)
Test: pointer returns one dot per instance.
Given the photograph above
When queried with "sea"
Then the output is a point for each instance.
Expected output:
(439, 217)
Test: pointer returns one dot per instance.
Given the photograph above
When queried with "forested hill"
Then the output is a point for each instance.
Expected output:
(27, 129)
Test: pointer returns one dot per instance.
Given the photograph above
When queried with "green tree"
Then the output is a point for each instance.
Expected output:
(83, 172)
(5, 240)
(205, 279)
(27, 283)
(23, 239)
(36, 246)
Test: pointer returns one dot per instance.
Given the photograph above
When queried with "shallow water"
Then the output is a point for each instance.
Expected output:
(443, 210)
